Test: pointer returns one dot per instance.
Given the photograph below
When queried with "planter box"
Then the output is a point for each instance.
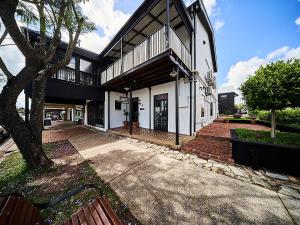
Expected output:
(259, 155)
(239, 121)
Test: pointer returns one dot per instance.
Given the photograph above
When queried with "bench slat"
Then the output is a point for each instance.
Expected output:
(15, 216)
(94, 213)
(28, 216)
(82, 218)
(7, 209)
(88, 216)
(108, 210)
(74, 219)
(101, 213)
(23, 213)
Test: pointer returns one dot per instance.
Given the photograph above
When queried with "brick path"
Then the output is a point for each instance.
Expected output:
(213, 141)
(59, 135)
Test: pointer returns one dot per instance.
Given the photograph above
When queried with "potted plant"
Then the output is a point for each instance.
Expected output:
(125, 123)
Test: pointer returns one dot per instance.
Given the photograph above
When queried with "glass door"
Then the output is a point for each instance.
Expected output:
(161, 112)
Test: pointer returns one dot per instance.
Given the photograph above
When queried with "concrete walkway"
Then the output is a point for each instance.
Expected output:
(162, 190)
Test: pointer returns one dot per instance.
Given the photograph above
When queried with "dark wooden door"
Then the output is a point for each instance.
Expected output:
(161, 112)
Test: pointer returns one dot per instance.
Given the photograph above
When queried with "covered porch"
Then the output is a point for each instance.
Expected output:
(158, 137)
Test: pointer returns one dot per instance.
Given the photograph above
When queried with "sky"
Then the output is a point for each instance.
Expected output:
(248, 34)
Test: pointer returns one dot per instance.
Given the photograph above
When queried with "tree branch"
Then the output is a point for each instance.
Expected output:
(3, 36)
(8, 18)
(5, 70)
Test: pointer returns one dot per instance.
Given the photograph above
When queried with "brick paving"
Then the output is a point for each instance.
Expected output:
(153, 136)
(213, 141)
(63, 134)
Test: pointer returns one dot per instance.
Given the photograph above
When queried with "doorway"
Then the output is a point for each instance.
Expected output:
(161, 112)
(135, 110)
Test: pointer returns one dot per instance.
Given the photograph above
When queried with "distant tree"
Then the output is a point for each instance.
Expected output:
(273, 87)
(51, 17)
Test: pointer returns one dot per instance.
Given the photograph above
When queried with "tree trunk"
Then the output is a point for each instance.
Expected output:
(28, 138)
(273, 124)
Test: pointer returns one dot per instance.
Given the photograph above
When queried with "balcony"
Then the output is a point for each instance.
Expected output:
(151, 47)
(69, 75)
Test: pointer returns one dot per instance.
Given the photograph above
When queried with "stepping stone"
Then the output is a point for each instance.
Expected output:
(293, 206)
(259, 181)
(286, 190)
(238, 171)
(277, 176)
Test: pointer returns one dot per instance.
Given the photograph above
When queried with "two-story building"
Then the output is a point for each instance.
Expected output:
(158, 72)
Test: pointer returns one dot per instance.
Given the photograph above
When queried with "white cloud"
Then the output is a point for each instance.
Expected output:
(239, 72)
(219, 24)
(104, 15)
(297, 21)
(278, 53)
(210, 6)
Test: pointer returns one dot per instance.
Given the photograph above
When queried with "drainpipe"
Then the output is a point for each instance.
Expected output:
(194, 78)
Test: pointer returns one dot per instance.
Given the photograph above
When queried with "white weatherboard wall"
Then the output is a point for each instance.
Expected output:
(116, 116)
(169, 88)
(203, 65)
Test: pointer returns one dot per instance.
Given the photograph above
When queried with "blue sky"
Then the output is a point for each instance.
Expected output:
(248, 33)
(248, 29)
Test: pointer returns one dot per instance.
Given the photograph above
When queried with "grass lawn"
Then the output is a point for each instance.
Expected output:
(282, 138)
(69, 172)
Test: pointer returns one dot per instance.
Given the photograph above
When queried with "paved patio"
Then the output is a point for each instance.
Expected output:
(162, 190)
(213, 141)
(153, 136)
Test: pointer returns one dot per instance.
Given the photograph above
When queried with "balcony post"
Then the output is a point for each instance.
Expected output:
(77, 70)
(130, 109)
(168, 24)
(122, 61)
(177, 108)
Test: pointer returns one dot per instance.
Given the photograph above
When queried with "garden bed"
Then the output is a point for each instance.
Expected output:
(258, 150)
(69, 172)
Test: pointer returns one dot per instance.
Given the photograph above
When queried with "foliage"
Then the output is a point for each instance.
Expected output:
(282, 138)
(41, 185)
(286, 116)
(274, 86)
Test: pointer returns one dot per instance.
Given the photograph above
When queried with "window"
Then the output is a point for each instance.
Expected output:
(202, 110)
(117, 105)
(223, 96)
(211, 109)
(86, 66)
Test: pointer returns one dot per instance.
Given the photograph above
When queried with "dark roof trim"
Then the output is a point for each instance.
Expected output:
(64, 45)
(199, 8)
(141, 12)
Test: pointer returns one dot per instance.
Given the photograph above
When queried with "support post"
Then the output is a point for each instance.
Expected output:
(122, 61)
(130, 110)
(108, 110)
(195, 102)
(27, 109)
(168, 24)
(195, 67)
(77, 70)
(150, 108)
(176, 108)
(191, 106)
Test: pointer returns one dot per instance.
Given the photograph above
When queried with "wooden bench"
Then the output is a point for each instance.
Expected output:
(15, 210)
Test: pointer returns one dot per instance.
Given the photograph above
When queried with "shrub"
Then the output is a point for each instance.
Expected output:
(237, 116)
(286, 116)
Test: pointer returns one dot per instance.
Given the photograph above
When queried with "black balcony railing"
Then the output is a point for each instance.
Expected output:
(69, 75)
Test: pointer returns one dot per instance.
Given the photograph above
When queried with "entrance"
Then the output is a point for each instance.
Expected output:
(96, 114)
(161, 112)
(135, 110)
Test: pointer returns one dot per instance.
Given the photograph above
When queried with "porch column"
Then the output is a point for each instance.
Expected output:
(191, 107)
(195, 102)
(150, 108)
(130, 110)
(108, 110)
(176, 108)
(27, 108)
